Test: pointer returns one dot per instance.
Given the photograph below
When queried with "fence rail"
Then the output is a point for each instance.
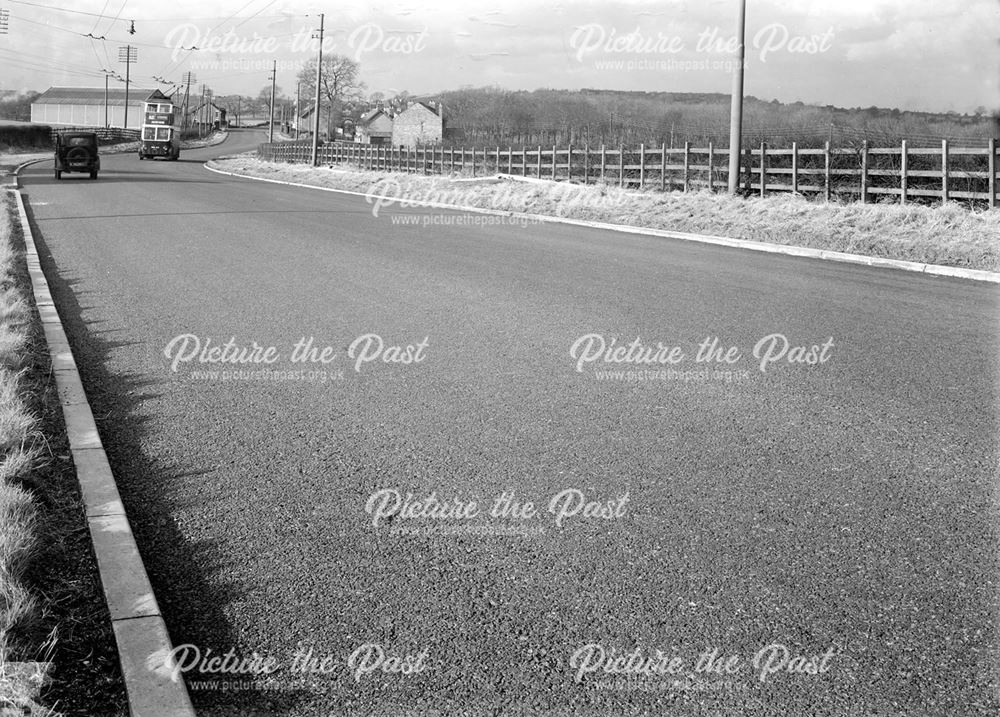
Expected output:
(863, 173)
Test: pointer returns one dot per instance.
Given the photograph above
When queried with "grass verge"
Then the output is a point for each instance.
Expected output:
(950, 235)
(57, 649)
(20, 455)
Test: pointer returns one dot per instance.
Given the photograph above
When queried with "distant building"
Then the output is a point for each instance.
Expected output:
(374, 127)
(85, 107)
(420, 123)
(205, 114)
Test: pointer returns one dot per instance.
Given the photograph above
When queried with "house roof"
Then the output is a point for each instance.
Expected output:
(371, 115)
(430, 107)
(91, 96)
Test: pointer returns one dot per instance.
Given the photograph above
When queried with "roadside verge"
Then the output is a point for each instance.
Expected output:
(143, 643)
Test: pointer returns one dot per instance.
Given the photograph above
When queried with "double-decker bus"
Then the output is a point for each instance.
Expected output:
(160, 128)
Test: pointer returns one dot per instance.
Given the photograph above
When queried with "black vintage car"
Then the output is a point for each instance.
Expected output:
(77, 152)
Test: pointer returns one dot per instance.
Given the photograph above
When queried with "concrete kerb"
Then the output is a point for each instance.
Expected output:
(144, 646)
(786, 249)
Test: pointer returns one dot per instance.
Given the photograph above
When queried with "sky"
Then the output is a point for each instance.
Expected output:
(932, 55)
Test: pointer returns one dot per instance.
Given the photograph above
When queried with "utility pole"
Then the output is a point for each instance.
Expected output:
(105, 99)
(128, 55)
(270, 124)
(239, 107)
(736, 104)
(298, 112)
(209, 111)
(319, 79)
(188, 79)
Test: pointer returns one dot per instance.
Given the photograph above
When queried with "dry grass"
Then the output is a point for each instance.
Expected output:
(952, 235)
(20, 682)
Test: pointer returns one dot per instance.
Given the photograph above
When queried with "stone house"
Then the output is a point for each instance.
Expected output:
(420, 123)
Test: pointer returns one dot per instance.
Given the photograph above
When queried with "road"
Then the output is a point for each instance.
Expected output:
(842, 511)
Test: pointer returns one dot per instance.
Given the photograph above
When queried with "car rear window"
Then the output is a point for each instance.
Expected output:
(79, 141)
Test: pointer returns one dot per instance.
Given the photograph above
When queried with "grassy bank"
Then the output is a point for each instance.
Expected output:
(20, 455)
(951, 235)
(57, 650)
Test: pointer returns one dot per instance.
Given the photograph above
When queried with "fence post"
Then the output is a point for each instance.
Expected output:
(795, 167)
(826, 170)
(538, 161)
(621, 165)
(524, 161)
(748, 157)
(992, 182)
(473, 161)
(864, 171)
(663, 166)
(687, 165)
(604, 163)
(902, 172)
(944, 171)
(642, 165)
(711, 167)
(510, 159)
(553, 161)
(763, 168)
(586, 164)
(569, 162)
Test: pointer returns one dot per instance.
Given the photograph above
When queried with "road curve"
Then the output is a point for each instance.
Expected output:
(836, 518)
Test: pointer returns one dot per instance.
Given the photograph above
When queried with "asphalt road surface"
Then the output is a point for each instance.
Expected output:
(828, 529)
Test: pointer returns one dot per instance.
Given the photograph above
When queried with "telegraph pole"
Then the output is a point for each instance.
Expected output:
(297, 111)
(188, 79)
(128, 55)
(319, 78)
(106, 99)
(270, 124)
(736, 104)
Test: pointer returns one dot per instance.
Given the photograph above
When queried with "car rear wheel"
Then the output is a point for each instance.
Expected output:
(93, 175)
(58, 174)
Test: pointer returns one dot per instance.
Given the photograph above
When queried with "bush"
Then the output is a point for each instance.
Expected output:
(24, 136)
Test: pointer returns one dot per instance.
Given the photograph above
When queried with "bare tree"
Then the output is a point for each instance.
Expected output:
(340, 84)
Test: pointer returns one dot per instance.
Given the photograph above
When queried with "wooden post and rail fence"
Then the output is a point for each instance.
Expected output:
(862, 173)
